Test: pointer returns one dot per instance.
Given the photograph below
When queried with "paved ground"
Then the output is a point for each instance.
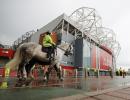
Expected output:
(70, 89)
(122, 93)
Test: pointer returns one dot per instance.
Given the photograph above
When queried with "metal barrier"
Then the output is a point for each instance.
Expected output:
(2, 70)
(12, 73)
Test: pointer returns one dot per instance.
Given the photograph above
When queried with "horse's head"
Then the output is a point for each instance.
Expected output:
(67, 48)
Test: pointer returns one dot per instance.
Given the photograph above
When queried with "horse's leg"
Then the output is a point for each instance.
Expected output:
(20, 71)
(20, 74)
(58, 72)
(46, 73)
(28, 67)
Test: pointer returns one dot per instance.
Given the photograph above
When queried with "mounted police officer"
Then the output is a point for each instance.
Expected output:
(48, 44)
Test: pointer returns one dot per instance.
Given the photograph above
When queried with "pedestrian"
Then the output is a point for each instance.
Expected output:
(120, 71)
(123, 73)
(110, 71)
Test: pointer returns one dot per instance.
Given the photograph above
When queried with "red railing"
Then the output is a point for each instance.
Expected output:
(2, 70)
(12, 73)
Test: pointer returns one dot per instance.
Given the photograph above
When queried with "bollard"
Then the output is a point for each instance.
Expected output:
(8, 67)
(76, 72)
(6, 77)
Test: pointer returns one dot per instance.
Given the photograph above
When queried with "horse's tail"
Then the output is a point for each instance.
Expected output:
(24, 52)
(11, 65)
(14, 63)
(17, 57)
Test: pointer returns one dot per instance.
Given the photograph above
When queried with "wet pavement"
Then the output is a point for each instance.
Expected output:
(54, 89)
(121, 93)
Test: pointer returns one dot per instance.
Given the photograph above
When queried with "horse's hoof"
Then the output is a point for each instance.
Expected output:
(45, 80)
(20, 80)
(23, 79)
(28, 83)
(31, 77)
(18, 85)
(61, 79)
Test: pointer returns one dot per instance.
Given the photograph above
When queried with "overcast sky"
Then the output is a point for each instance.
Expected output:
(19, 16)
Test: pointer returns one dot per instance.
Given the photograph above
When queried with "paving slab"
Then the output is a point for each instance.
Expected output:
(124, 91)
(107, 97)
(118, 95)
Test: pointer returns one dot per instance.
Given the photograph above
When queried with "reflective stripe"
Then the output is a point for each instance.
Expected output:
(7, 71)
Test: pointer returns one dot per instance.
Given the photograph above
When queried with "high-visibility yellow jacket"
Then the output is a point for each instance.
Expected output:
(47, 41)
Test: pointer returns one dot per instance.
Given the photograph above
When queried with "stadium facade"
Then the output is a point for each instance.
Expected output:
(94, 46)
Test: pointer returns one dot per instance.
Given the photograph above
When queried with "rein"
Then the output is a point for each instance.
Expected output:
(67, 50)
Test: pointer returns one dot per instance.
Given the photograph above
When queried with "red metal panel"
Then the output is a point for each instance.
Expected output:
(105, 60)
(68, 67)
(13, 73)
(93, 57)
(7, 53)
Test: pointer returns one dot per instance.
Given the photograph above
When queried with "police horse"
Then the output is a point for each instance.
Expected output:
(29, 54)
